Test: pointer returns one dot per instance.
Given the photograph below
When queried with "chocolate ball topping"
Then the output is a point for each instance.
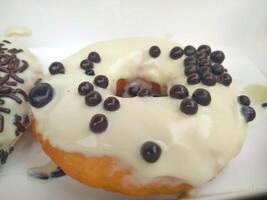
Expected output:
(101, 81)
(193, 79)
(188, 106)
(90, 72)
(217, 69)
(208, 79)
(225, 79)
(244, 100)
(176, 53)
(85, 87)
(189, 50)
(154, 51)
(217, 56)
(40, 95)
(56, 68)
(133, 90)
(150, 151)
(203, 70)
(190, 69)
(94, 57)
(202, 97)
(190, 60)
(178, 92)
(93, 98)
(248, 112)
(86, 64)
(98, 123)
(204, 62)
(144, 93)
(111, 104)
(204, 48)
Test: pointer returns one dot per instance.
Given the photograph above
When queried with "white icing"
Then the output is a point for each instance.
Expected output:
(30, 75)
(194, 148)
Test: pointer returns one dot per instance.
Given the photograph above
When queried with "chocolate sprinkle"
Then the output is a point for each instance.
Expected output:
(6, 41)
(101, 81)
(24, 66)
(154, 51)
(94, 57)
(111, 104)
(23, 93)
(2, 120)
(15, 51)
(5, 110)
(264, 104)
(98, 123)
(11, 83)
(150, 151)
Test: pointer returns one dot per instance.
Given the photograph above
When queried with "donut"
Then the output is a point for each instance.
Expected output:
(19, 70)
(141, 116)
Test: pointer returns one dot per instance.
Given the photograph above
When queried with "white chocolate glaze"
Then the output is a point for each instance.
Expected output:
(30, 75)
(194, 148)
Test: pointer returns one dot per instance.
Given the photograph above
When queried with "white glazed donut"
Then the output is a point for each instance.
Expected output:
(19, 70)
(93, 106)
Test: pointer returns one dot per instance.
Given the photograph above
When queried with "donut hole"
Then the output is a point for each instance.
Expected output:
(131, 88)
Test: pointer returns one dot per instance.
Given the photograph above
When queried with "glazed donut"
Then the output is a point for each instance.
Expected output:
(19, 70)
(140, 116)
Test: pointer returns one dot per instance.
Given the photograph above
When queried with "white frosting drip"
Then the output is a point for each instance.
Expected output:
(194, 148)
(30, 75)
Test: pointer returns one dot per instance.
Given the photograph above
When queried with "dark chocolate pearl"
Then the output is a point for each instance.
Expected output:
(176, 53)
(90, 72)
(85, 87)
(204, 62)
(244, 100)
(133, 90)
(202, 97)
(144, 92)
(217, 56)
(203, 70)
(201, 55)
(225, 79)
(208, 79)
(154, 51)
(150, 151)
(40, 95)
(248, 112)
(111, 104)
(86, 64)
(93, 98)
(56, 68)
(94, 57)
(188, 106)
(189, 50)
(190, 69)
(193, 79)
(178, 91)
(217, 69)
(190, 60)
(101, 81)
(204, 48)
(98, 123)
